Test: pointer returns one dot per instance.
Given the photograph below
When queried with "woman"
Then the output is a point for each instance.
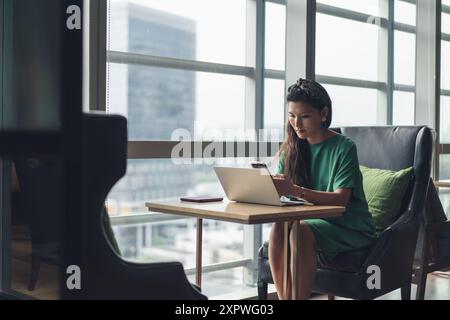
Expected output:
(321, 166)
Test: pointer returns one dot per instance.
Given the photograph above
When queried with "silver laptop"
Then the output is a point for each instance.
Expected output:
(252, 186)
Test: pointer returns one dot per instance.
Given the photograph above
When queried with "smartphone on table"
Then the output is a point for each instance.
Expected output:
(201, 199)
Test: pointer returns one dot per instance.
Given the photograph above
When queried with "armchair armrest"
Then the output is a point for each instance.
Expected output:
(152, 281)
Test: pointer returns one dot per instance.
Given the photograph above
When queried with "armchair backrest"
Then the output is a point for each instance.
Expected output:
(396, 148)
(108, 276)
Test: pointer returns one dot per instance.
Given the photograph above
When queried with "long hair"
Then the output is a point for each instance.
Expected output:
(297, 152)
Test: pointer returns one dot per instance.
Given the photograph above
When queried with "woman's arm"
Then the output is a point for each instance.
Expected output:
(340, 197)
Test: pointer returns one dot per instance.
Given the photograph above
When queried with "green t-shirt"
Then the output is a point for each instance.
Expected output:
(334, 165)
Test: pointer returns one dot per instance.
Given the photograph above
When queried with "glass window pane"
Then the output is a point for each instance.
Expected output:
(403, 108)
(222, 282)
(444, 167)
(446, 23)
(445, 65)
(195, 29)
(158, 101)
(275, 36)
(444, 195)
(371, 7)
(274, 106)
(405, 58)
(353, 106)
(445, 119)
(405, 12)
(346, 48)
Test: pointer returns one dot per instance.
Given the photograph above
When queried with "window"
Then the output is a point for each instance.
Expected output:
(194, 30)
(157, 101)
(353, 105)
(403, 108)
(445, 64)
(274, 83)
(445, 119)
(405, 58)
(346, 48)
(191, 65)
(354, 55)
(275, 36)
(349, 47)
(405, 12)
(444, 160)
(403, 98)
(274, 106)
(446, 23)
(444, 174)
(444, 171)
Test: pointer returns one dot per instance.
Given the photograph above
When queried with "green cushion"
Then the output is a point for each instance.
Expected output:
(384, 190)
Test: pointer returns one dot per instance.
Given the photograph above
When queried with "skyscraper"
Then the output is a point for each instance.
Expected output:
(155, 100)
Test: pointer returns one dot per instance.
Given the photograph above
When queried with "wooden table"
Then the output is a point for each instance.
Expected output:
(250, 214)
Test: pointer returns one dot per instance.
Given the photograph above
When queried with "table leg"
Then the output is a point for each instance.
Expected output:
(198, 253)
(295, 260)
(286, 260)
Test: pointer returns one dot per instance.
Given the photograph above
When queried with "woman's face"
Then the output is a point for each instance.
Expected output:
(305, 120)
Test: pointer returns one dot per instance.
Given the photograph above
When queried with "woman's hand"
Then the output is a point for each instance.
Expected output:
(285, 187)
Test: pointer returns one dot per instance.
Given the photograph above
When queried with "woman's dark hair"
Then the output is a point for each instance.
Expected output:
(297, 154)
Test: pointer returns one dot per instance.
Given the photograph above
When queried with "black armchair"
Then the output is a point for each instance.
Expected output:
(392, 148)
(107, 276)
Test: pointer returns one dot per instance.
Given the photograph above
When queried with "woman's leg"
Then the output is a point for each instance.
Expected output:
(306, 260)
(276, 259)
